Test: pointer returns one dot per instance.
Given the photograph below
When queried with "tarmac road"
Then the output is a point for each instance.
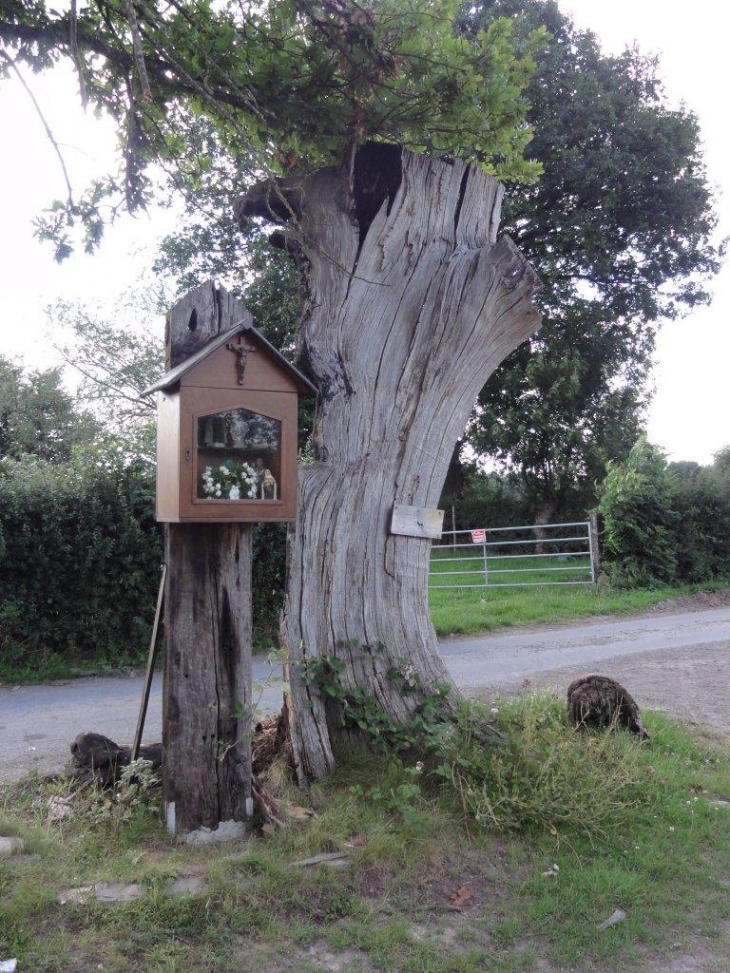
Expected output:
(676, 662)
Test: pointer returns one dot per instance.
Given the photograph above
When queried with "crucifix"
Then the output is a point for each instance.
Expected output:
(241, 351)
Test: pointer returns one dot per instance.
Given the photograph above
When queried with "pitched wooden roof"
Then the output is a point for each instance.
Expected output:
(175, 374)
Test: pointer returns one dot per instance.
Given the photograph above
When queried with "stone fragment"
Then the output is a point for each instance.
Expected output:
(11, 846)
(117, 892)
(187, 885)
(618, 916)
(226, 831)
(78, 896)
(60, 809)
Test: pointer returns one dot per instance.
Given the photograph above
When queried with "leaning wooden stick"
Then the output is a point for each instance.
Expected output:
(150, 669)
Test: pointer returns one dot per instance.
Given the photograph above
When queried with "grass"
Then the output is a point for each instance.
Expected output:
(469, 611)
(448, 567)
(428, 889)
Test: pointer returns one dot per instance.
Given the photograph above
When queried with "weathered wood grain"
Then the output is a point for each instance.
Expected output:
(207, 694)
(207, 704)
(412, 302)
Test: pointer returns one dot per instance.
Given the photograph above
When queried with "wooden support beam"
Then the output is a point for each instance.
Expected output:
(207, 701)
(207, 695)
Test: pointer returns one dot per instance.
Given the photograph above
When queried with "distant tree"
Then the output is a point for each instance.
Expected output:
(115, 363)
(619, 228)
(38, 417)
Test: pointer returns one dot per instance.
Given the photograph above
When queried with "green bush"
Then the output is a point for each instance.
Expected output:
(701, 501)
(542, 775)
(639, 518)
(80, 565)
(666, 523)
(80, 556)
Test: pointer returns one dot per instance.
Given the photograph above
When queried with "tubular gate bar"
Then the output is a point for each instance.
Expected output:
(563, 552)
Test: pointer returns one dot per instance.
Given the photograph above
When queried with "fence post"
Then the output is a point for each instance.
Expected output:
(593, 546)
(486, 571)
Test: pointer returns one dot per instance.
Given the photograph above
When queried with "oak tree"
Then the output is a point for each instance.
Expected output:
(620, 228)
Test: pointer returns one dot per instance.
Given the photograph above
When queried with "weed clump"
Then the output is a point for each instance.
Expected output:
(540, 775)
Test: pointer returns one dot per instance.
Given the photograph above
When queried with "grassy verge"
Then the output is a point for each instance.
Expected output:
(516, 877)
(468, 611)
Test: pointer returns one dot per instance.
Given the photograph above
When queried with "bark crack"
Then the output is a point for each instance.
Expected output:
(460, 200)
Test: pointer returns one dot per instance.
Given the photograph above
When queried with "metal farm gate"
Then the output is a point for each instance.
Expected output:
(509, 557)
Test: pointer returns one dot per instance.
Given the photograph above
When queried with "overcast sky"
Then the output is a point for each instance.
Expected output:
(690, 416)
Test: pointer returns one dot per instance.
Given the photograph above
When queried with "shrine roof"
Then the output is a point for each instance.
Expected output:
(175, 374)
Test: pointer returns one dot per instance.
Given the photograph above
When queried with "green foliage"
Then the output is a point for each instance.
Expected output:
(289, 85)
(359, 711)
(116, 362)
(527, 770)
(636, 503)
(543, 776)
(619, 228)
(399, 793)
(37, 417)
(666, 522)
(134, 796)
(701, 502)
(82, 558)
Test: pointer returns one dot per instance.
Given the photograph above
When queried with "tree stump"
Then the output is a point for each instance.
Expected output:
(411, 303)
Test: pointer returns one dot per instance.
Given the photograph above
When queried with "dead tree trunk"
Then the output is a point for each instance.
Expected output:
(412, 302)
(207, 704)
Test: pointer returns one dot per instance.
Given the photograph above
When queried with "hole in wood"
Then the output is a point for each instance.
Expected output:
(193, 320)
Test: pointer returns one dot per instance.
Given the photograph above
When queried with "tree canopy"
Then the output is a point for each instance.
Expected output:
(619, 227)
(287, 85)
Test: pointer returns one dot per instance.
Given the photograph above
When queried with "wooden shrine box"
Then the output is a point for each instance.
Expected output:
(227, 432)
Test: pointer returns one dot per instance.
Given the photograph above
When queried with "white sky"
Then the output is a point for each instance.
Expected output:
(690, 416)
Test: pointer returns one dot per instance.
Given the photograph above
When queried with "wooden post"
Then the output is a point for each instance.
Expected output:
(207, 695)
(595, 545)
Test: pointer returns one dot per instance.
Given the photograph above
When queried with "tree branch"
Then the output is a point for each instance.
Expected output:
(14, 68)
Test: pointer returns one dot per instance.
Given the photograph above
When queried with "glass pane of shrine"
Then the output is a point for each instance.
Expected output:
(239, 456)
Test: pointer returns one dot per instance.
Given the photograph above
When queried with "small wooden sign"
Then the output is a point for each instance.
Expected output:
(417, 521)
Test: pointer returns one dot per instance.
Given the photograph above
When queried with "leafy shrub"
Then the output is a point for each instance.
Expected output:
(666, 523)
(701, 501)
(80, 556)
(81, 559)
(520, 767)
(636, 504)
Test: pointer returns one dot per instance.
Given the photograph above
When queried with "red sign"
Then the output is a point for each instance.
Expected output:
(478, 536)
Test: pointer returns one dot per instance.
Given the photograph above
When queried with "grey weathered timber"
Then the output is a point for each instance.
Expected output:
(203, 313)
(207, 696)
(412, 302)
(206, 715)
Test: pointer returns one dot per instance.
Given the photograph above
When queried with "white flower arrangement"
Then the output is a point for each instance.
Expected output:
(230, 481)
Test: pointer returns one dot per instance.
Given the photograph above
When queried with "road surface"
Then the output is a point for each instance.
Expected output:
(679, 663)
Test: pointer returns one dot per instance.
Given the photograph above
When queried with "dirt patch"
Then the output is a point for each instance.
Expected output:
(689, 684)
(700, 601)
